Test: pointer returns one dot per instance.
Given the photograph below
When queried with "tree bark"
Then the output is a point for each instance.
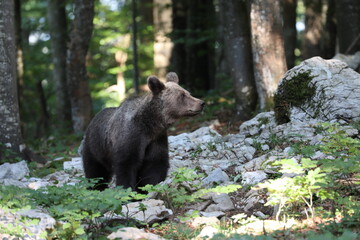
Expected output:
(194, 36)
(19, 52)
(235, 20)
(267, 48)
(289, 16)
(200, 36)
(162, 28)
(58, 31)
(178, 55)
(329, 37)
(10, 134)
(78, 86)
(313, 29)
(134, 47)
(348, 27)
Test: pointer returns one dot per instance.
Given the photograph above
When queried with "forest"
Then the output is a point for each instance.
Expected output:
(260, 66)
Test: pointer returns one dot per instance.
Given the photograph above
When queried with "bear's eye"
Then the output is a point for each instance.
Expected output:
(183, 95)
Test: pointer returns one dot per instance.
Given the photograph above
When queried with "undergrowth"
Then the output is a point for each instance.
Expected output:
(326, 189)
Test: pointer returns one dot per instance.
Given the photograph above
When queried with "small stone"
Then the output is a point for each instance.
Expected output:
(204, 221)
(217, 176)
(260, 215)
(75, 165)
(222, 203)
(249, 141)
(216, 214)
(155, 211)
(15, 171)
(131, 233)
(265, 147)
(207, 232)
(252, 178)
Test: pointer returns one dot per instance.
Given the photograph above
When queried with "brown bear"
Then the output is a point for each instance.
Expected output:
(130, 141)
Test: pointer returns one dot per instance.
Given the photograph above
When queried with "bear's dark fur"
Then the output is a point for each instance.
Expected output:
(130, 141)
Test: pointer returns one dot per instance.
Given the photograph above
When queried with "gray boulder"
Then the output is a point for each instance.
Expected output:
(15, 171)
(318, 89)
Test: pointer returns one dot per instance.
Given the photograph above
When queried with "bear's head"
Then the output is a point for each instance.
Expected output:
(176, 101)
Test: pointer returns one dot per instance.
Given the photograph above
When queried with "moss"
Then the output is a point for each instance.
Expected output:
(263, 120)
(296, 92)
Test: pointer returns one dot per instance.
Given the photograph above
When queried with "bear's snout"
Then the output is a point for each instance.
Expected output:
(196, 107)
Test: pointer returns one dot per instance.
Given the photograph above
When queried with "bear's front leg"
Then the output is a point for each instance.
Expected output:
(155, 165)
(127, 160)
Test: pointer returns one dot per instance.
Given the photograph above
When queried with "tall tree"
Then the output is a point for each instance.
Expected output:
(10, 134)
(78, 86)
(134, 46)
(320, 29)
(311, 45)
(329, 37)
(19, 50)
(235, 20)
(178, 55)
(267, 48)
(200, 36)
(289, 16)
(162, 28)
(348, 27)
(58, 32)
(193, 36)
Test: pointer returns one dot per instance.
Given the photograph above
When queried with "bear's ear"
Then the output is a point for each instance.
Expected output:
(172, 77)
(155, 85)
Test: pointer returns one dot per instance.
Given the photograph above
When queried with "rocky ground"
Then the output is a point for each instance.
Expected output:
(242, 158)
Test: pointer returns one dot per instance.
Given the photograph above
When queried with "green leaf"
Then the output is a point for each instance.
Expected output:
(66, 226)
(80, 231)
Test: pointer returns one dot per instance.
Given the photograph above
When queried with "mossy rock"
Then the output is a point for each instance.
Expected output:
(325, 90)
(297, 91)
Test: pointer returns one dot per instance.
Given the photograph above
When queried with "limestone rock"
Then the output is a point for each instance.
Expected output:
(222, 203)
(155, 211)
(75, 165)
(217, 176)
(353, 61)
(12, 182)
(207, 232)
(251, 178)
(15, 171)
(205, 221)
(131, 233)
(318, 89)
(46, 221)
(261, 122)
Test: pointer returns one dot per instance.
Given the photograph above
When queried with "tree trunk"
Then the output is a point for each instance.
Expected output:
(178, 56)
(348, 27)
(289, 19)
(58, 31)
(194, 36)
(267, 48)
(163, 45)
(329, 37)
(134, 47)
(235, 20)
(10, 134)
(200, 37)
(19, 52)
(313, 29)
(78, 87)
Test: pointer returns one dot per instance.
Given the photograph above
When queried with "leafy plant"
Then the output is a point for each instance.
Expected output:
(180, 231)
(301, 188)
(185, 188)
(76, 206)
(15, 198)
(331, 178)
